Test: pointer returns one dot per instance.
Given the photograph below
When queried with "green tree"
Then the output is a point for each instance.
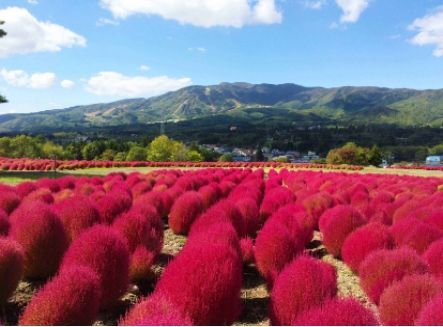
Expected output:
(108, 154)
(136, 153)
(120, 156)
(160, 149)
(375, 156)
(227, 157)
(436, 150)
(259, 154)
(194, 156)
(92, 150)
(51, 150)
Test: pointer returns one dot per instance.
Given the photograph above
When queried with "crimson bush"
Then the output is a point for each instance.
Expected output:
(432, 313)
(11, 267)
(184, 211)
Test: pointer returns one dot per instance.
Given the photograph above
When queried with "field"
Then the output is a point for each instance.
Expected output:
(205, 246)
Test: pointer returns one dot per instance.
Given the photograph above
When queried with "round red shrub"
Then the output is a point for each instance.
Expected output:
(383, 267)
(103, 250)
(222, 233)
(434, 258)
(70, 298)
(11, 267)
(140, 264)
(247, 249)
(435, 218)
(250, 214)
(154, 199)
(77, 214)
(137, 230)
(432, 313)
(274, 199)
(275, 247)
(316, 205)
(363, 241)
(155, 311)
(420, 236)
(23, 189)
(184, 212)
(209, 279)
(303, 284)
(337, 312)
(401, 302)
(209, 194)
(336, 224)
(9, 201)
(110, 207)
(42, 194)
(42, 236)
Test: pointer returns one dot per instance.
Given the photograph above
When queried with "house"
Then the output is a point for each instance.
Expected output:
(434, 160)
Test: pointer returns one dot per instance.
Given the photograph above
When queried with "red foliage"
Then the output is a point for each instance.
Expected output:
(140, 264)
(337, 312)
(110, 207)
(210, 194)
(77, 214)
(316, 205)
(9, 201)
(363, 241)
(381, 268)
(274, 199)
(154, 199)
(433, 257)
(70, 298)
(432, 313)
(23, 189)
(249, 214)
(435, 218)
(104, 251)
(196, 282)
(222, 233)
(42, 194)
(336, 224)
(184, 211)
(247, 249)
(4, 223)
(303, 284)
(297, 221)
(401, 302)
(11, 267)
(43, 238)
(155, 311)
(275, 247)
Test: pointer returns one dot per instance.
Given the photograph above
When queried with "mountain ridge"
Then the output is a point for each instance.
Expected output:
(337, 105)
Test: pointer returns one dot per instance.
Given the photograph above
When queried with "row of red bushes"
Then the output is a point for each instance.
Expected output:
(418, 167)
(24, 164)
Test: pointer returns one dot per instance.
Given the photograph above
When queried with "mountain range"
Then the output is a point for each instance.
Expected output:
(251, 102)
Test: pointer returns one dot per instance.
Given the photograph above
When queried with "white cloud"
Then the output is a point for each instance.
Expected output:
(314, 4)
(202, 13)
(352, 9)
(116, 84)
(144, 68)
(107, 21)
(33, 2)
(20, 78)
(67, 84)
(429, 31)
(26, 34)
(199, 49)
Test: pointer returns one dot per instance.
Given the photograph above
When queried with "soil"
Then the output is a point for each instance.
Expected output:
(254, 293)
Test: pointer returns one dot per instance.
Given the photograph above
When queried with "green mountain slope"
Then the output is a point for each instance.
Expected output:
(253, 102)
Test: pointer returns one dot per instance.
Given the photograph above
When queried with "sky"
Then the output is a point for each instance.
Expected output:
(59, 54)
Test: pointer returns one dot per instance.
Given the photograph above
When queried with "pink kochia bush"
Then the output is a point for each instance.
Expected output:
(434, 258)
(336, 224)
(184, 211)
(363, 241)
(140, 264)
(77, 214)
(383, 267)
(247, 249)
(432, 313)
(401, 303)
(204, 283)
(337, 312)
(104, 251)
(155, 311)
(303, 284)
(4, 223)
(9, 201)
(274, 199)
(11, 267)
(70, 298)
(42, 236)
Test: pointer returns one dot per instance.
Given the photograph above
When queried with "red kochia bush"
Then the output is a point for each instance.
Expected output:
(336, 224)
(249, 214)
(104, 251)
(274, 199)
(210, 194)
(9, 201)
(303, 284)
(41, 234)
(337, 312)
(140, 265)
(204, 283)
(383, 267)
(275, 247)
(155, 311)
(432, 313)
(23, 189)
(247, 249)
(420, 235)
(110, 207)
(71, 298)
(434, 258)
(401, 303)
(184, 211)
(363, 241)
(4, 223)
(11, 267)
(77, 214)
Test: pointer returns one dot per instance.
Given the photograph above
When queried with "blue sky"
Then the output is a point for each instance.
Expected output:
(64, 53)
